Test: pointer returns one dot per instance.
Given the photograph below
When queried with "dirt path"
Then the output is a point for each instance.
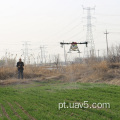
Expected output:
(5, 113)
(30, 117)
(14, 111)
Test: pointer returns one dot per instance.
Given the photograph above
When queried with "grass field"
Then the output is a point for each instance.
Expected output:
(40, 101)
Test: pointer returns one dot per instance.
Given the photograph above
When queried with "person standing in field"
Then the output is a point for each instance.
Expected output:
(20, 66)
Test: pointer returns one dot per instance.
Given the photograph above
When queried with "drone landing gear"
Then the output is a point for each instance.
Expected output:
(74, 50)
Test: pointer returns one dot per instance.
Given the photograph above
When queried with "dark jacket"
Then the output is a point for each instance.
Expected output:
(20, 65)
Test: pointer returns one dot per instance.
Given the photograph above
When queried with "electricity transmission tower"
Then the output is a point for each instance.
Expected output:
(89, 35)
(43, 54)
(25, 51)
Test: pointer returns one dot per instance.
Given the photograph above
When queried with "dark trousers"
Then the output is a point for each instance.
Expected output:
(20, 74)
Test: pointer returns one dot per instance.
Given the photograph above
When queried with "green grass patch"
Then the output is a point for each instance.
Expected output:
(40, 100)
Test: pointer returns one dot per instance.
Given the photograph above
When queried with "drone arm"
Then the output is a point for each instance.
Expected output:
(62, 43)
(84, 43)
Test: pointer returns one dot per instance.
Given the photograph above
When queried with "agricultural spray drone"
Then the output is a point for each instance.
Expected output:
(74, 46)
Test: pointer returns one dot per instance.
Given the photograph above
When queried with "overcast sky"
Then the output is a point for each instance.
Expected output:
(48, 22)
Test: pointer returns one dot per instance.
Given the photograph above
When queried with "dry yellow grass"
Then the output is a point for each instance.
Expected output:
(29, 72)
(101, 72)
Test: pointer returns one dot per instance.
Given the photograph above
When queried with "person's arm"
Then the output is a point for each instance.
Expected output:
(17, 64)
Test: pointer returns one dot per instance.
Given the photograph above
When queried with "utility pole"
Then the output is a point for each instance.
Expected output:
(41, 48)
(106, 33)
(64, 53)
(6, 57)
